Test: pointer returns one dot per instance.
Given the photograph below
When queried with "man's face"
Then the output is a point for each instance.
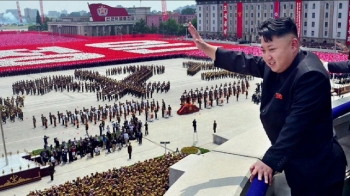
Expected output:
(280, 52)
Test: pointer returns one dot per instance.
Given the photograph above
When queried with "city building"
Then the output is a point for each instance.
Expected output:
(319, 21)
(179, 18)
(64, 12)
(30, 14)
(53, 14)
(103, 19)
(139, 13)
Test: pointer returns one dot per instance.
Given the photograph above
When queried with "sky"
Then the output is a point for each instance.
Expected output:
(70, 6)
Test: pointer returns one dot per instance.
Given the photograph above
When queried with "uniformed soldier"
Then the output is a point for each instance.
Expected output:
(34, 122)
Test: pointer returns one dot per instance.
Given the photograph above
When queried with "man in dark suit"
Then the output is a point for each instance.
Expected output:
(194, 124)
(342, 66)
(295, 109)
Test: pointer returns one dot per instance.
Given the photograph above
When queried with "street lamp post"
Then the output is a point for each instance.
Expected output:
(186, 26)
(60, 29)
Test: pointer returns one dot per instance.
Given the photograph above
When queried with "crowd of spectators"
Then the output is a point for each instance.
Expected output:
(150, 178)
(24, 39)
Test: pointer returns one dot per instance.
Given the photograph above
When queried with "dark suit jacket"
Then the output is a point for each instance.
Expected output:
(296, 114)
(339, 67)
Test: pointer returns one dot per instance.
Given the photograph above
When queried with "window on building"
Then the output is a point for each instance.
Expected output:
(251, 30)
(326, 33)
(312, 33)
(327, 6)
(230, 7)
(305, 24)
(265, 15)
(326, 15)
(220, 15)
(305, 15)
(258, 22)
(246, 30)
(339, 24)
(338, 34)
(207, 21)
(312, 24)
(214, 29)
(291, 6)
(207, 28)
(199, 8)
(207, 10)
(313, 15)
(213, 21)
(199, 21)
(258, 14)
(271, 7)
(246, 22)
(305, 32)
(340, 5)
(251, 22)
(291, 15)
(235, 14)
(220, 7)
(230, 22)
(305, 6)
(246, 15)
(258, 7)
(246, 7)
(252, 7)
(339, 15)
(313, 6)
(284, 6)
(213, 7)
(285, 14)
(199, 28)
(326, 24)
(199, 15)
(264, 7)
(213, 14)
(230, 15)
(220, 21)
(271, 15)
(251, 15)
(207, 15)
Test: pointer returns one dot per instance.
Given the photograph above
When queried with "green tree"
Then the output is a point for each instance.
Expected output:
(141, 27)
(194, 22)
(153, 29)
(112, 31)
(172, 27)
(38, 18)
(162, 28)
(188, 11)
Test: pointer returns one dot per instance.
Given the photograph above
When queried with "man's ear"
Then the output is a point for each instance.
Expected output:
(295, 44)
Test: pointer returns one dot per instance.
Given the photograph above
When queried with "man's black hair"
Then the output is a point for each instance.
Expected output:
(278, 27)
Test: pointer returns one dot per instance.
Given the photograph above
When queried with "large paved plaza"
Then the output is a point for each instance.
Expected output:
(233, 118)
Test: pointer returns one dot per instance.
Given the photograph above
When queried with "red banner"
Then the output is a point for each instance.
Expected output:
(298, 9)
(277, 9)
(239, 19)
(348, 34)
(225, 18)
(100, 11)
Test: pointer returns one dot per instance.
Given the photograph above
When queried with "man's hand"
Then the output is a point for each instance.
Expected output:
(196, 37)
(344, 49)
(262, 170)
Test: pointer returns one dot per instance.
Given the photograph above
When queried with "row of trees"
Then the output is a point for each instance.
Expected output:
(39, 25)
(170, 27)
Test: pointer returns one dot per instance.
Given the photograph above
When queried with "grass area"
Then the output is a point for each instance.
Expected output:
(36, 152)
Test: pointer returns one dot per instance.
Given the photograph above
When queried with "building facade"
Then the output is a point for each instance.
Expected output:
(30, 14)
(317, 20)
(179, 18)
(139, 13)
